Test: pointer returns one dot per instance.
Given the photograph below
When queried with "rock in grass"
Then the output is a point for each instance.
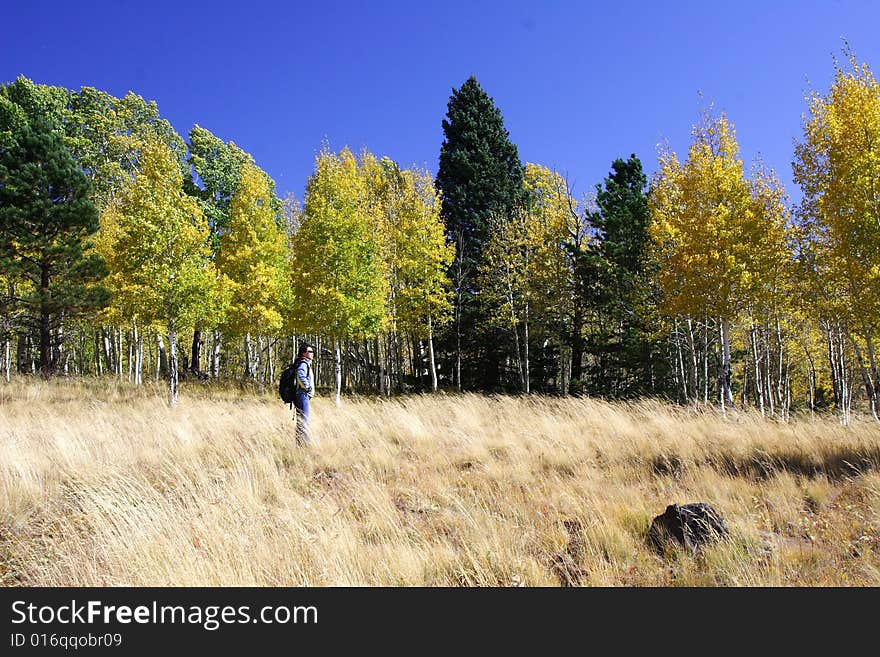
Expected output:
(689, 525)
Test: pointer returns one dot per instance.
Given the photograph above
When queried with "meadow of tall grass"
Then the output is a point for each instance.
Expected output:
(104, 484)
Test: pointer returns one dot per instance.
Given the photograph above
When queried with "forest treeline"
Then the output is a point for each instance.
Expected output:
(129, 251)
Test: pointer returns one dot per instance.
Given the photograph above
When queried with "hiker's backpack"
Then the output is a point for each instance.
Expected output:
(287, 385)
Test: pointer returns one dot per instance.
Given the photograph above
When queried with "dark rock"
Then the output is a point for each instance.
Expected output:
(689, 525)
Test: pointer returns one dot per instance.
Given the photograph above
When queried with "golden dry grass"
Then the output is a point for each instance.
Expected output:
(102, 484)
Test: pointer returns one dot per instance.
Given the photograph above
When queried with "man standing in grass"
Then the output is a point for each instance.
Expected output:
(305, 390)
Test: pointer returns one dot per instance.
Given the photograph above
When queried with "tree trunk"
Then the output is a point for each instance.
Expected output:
(430, 355)
(248, 357)
(812, 383)
(759, 390)
(867, 379)
(172, 362)
(161, 357)
(845, 384)
(577, 346)
(726, 367)
(7, 359)
(875, 377)
(692, 344)
(45, 334)
(195, 364)
(780, 383)
(380, 363)
(58, 344)
(269, 360)
(139, 354)
(398, 361)
(337, 361)
(119, 345)
(215, 356)
(680, 363)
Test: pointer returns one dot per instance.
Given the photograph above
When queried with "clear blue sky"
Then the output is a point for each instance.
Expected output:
(578, 83)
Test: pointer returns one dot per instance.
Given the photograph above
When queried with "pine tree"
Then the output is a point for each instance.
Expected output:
(480, 178)
(47, 221)
(623, 350)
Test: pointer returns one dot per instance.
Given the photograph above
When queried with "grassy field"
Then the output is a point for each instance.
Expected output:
(103, 484)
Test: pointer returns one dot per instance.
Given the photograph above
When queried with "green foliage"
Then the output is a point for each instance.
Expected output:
(104, 134)
(480, 175)
(480, 179)
(214, 178)
(615, 269)
(47, 220)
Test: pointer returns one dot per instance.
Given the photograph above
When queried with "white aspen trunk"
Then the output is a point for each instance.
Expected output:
(780, 384)
(692, 344)
(247, 356)
(380, 362)
(131, 349)
(99, 367)
(832, 364)
(160, 355)
(270, 360)
(759, 392)
(337, 361)
(846, 393)
(726, 367)
(139, 355)
(108, 352)
(430, 355)
(768, 375)
(706, 362)
(679, 351)
(119, 345)
(215, 354)
(172, 363)
(7, 359)
(58, 348)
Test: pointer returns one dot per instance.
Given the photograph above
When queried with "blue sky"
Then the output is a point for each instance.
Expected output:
(578, 83)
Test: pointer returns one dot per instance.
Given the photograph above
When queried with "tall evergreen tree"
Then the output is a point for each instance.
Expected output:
(480, 177)
(46, 219)
(623, 355)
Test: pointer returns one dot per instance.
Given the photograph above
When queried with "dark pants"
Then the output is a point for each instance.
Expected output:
(301, 402)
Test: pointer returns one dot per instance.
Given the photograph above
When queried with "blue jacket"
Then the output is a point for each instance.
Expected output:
(304, 378)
